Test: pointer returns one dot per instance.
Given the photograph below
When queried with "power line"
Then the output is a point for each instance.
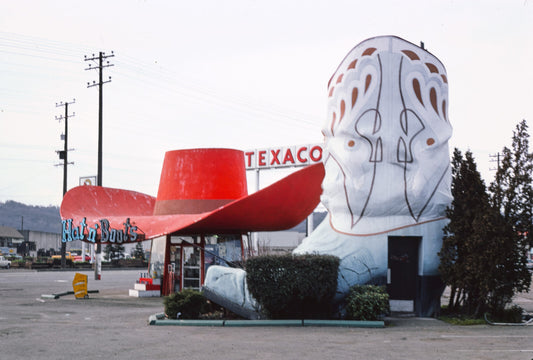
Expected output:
(162, 78)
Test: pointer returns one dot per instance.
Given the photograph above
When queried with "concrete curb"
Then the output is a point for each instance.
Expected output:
(160, 320)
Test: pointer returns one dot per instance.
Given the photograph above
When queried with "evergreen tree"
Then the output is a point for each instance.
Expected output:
(464, 241)
(484, 251)
(512, 189)
(138, 251)
(512, 196)
(114, 251)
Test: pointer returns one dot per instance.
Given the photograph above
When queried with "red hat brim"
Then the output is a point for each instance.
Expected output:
(279, 206)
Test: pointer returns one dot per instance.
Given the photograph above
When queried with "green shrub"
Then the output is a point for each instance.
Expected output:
(188, 303)
(367, 302)
(293, 287)
(507, 315)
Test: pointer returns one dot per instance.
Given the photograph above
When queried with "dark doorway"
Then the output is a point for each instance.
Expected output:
(403, 267)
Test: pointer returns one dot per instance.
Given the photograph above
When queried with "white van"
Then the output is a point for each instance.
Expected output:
(4, 263)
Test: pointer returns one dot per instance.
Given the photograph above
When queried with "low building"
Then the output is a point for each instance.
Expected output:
(10, 239)
(40, 240)
(278, 242)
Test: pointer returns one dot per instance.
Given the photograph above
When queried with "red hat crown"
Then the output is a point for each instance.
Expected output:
(200, 180)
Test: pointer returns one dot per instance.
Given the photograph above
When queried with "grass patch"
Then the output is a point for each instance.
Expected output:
(462, 320)
(511, 314)
(457, 318)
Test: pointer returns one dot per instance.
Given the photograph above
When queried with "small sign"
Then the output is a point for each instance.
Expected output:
(8, 251)
(278, 157)
(87, 180)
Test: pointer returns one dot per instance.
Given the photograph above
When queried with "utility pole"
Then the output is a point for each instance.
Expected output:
(495, 158)
(63, 155)
(100, 66)
(101, 57)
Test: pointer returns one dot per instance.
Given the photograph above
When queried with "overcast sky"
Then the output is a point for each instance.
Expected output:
(239, 74)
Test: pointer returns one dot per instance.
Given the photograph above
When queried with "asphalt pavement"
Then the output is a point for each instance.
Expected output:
(112, 325)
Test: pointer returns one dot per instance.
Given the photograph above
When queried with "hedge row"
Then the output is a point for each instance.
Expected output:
(293, 287)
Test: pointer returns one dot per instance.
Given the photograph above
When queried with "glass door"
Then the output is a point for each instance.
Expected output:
(175, 268)
(191, 267)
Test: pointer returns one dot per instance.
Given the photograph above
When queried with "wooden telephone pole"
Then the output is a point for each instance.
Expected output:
(63, 155)
(100, 66)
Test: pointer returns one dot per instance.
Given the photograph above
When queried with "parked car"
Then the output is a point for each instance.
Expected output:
(4, 262)
(79, 258)
(68, 255)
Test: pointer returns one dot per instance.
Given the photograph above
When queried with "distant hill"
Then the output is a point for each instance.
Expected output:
(37, 218)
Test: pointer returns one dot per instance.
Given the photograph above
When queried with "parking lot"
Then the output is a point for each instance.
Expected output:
(110, 324)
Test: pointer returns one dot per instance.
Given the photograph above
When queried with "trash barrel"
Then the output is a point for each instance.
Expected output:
(79, 284)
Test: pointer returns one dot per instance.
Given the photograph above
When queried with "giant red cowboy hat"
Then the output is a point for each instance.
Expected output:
(200, 191)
